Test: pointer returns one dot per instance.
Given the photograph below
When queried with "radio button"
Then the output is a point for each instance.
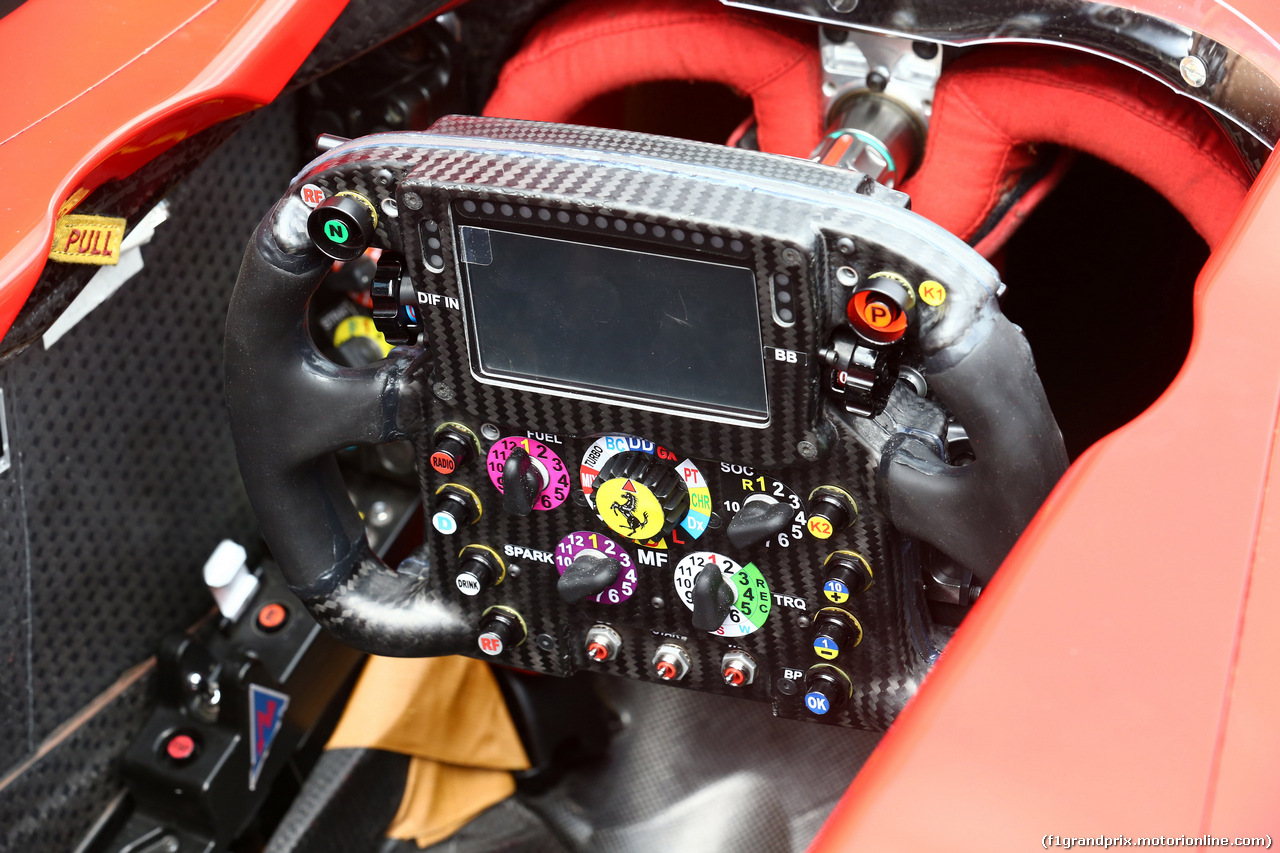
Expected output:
(452, 450)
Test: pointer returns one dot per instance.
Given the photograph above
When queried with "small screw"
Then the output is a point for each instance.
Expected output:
(1193, 71)
(844, 246)
(490, 432)
(442, 390)
(877, 79)
(580, 498)
(842, 5)
(791, 257)
(413, 201)
(808, 449)
(384, 177)
(803, 621)
(546, 642)
(657, 601)
(786, 687)
(835, 35)
(716, 521)
(379, 513)
(389, 208)
(513, 570)
(847, 276)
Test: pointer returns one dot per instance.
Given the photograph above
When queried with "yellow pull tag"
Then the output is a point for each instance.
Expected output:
(80, 239)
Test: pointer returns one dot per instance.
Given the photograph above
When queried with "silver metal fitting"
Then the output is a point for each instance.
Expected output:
(602, 643)
(737, 668)
(671, 662)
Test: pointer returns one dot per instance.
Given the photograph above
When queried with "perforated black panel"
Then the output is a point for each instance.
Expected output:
(124, 475)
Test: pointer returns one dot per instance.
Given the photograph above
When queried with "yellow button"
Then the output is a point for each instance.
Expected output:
(630, 508)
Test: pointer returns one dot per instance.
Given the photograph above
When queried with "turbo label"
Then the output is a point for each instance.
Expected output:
(752, 601)
(594, 544)
(555, 476)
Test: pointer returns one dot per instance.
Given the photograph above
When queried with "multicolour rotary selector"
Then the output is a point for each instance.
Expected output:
(641, 492)
(748, 608)
(597, 557)
(539, 477)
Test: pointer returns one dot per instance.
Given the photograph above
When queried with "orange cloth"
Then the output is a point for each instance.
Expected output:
(449, 715)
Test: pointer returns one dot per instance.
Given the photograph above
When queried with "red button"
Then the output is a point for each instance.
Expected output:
(180, 747)
(443, 462)
(272, 617)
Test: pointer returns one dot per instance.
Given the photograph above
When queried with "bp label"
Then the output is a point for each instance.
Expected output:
(582, 542)
(752, 601)
(555, 476)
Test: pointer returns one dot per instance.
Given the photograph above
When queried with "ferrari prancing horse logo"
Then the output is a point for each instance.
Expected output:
(630, 508)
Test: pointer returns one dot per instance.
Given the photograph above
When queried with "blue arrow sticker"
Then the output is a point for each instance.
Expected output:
(817, 703)
(266, 714)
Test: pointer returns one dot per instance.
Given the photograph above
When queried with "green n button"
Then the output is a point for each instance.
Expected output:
(336, 231)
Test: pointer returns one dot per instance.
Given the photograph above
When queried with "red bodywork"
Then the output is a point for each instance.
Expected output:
(1119, 675)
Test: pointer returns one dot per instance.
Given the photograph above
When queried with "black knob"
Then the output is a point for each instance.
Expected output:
(590, 574)
(394, 302)
(638, 496)
(521, 483)
(836, 632)
(342, 225)
(456, 507)
(831, 509)
(501, 628)
(481, 568)
(453, 449)
(712, 599)
(826, 689)
(847, 574)
(761, 517)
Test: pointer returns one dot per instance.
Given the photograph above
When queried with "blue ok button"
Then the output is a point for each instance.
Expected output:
(817, 703)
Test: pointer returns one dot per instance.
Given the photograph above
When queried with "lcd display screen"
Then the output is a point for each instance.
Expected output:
(622, 322)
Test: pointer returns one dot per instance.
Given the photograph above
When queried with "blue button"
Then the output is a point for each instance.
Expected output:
(816, 702)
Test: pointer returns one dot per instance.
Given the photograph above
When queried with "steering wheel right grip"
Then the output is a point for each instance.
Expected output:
(291, 409)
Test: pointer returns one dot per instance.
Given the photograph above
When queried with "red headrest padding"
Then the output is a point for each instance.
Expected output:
(993, 103)
(591, 47)
(991, 106)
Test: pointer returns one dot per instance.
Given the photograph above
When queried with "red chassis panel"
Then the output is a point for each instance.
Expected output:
(1118, 676)
(105, 87)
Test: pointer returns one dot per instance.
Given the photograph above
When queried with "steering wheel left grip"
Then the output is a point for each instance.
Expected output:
(291, 409)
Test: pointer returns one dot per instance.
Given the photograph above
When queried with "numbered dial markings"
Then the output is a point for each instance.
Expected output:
(554, 473)
(740, 483)
(752, 601)
(574, 545)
